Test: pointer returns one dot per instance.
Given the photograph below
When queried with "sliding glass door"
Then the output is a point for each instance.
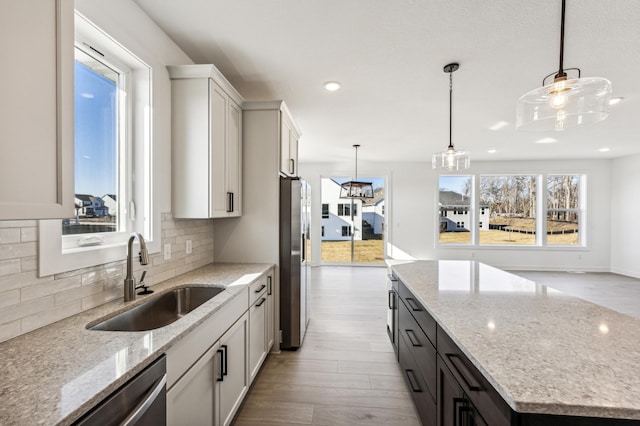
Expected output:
(352, 229)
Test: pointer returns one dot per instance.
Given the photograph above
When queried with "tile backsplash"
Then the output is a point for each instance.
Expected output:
(28, 302)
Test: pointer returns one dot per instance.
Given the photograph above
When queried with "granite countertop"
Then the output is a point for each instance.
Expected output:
(544, 351)
(55, 374)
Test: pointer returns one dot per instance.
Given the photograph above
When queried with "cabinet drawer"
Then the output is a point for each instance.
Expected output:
(422, 398)
(257, 289)
(423, 352)
(424, 319)
(484, 397)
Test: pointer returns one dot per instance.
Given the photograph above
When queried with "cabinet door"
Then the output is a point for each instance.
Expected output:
(287, 164)
(257, 335)
(36, 109)
(218, 199)
(234, 159)
(293, 152)
(450, 397)
(233, 386)
(192, 397)
(270, 312)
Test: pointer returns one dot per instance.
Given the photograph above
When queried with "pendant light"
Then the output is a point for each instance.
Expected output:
(354, 188)
(564, 102)
(451, 159)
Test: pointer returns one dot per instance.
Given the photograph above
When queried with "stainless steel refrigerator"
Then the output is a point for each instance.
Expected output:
(295, 257)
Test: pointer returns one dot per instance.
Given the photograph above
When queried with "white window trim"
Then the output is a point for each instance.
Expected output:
(52, 258)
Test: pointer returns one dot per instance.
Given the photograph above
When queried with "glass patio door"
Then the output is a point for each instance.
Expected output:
(352, 229)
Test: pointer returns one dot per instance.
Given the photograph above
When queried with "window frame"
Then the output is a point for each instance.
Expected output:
(54, 257)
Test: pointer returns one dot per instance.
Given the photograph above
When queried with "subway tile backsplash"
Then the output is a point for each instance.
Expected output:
(28, 302)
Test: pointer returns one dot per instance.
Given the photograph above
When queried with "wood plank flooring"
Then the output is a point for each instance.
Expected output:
(346, 372)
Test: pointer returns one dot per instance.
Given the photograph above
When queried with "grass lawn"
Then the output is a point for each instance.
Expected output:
(506, 237)
(363, 251)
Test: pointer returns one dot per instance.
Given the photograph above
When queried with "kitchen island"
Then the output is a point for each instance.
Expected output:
(53, 375)
(548, 356)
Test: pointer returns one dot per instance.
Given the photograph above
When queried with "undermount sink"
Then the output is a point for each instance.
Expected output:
(159, 311)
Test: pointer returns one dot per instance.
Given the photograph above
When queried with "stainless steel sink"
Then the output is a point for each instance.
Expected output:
(160, 310)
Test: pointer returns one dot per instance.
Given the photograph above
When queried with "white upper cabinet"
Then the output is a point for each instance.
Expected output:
(289, 136)
(36, 109)
(206, 143)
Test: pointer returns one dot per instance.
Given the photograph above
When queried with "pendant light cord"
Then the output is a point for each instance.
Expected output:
(561, 72)
(356, 176)
(450, 108)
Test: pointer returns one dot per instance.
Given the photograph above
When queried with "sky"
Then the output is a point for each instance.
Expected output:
(95, 133)
(453, 183)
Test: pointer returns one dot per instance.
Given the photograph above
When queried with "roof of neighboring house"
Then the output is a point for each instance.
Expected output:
(112, 196)
(84, 197)
(451, 198)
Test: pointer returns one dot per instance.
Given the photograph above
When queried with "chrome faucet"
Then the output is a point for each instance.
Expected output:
(129, 280)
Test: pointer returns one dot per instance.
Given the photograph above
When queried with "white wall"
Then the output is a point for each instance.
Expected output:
(411, 214)
(625, 204)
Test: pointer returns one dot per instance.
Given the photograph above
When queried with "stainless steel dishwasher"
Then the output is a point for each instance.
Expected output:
(142, 401)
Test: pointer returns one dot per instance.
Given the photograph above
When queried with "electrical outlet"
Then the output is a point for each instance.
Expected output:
(167, 251)
(189, 247)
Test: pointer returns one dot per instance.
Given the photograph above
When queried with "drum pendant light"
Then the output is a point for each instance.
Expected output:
(564, 102)
(451, 159)
(355, 188)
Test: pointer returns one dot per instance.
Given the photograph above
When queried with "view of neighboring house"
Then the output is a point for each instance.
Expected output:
(373, 213)
(110, 201)
(337, 224)
(90, 206)
(455, 213)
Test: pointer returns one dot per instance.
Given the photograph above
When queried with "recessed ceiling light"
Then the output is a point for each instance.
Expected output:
(492, 151)
(615, 101)
(332, 86)
(498, 125)
(547, 140)
(605, 149)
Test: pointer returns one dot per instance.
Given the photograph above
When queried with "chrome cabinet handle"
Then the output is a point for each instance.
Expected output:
(146, 403)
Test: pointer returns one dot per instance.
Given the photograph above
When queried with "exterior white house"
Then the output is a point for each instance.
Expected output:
(111, 202)
(455, 213)
(337, 223)
(373, 214)
(90, 206)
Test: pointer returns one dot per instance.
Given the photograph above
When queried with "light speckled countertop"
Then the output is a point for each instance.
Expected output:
(543, 350)
(55, 374)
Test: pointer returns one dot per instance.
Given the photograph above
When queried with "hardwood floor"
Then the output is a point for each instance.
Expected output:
(346, 372)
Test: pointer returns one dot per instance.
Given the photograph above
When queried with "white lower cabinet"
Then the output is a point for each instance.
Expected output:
(191, 399)
(234, 382)
(210, 369)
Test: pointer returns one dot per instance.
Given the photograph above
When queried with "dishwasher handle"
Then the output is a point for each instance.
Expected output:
(146, 403)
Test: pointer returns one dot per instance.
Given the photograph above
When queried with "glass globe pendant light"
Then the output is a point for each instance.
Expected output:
(451, 159)
(564, 102)
(355, 188)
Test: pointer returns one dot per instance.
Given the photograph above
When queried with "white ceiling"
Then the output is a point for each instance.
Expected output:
(389, 55)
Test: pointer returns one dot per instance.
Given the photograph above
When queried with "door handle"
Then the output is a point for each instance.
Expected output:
(269, 289)
(221, 378)
(229, 202)
(463, 371)
(413, 382)
(412, 337)
(413, 305)
(390, 300)
(292, 166)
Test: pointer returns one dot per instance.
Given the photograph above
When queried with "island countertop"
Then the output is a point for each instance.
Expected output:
(55, 374)
(544, 351)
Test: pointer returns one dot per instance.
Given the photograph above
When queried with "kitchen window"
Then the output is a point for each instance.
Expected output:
(112, 156)
(527, 210)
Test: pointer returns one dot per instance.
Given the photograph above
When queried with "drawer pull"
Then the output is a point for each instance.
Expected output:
(392, 278)
(262, 287)
(464, 372)
(413, 305)
(392, 305)
(413, 382)
(413, 338)
(269, 284)
(260, 302)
